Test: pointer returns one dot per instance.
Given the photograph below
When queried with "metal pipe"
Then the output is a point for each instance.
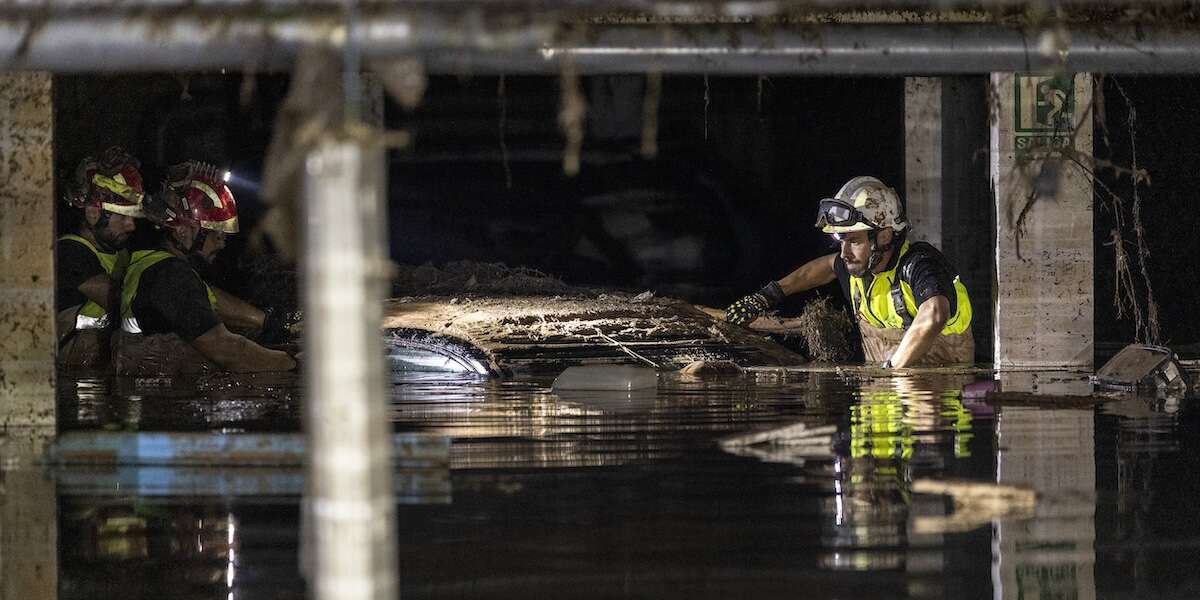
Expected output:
(467, 44)
(352, 520)
(85, 43)
(852, 49)
(698, 8)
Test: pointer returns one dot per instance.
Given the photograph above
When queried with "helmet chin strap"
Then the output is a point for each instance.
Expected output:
(877, 251)
(101, 223)
(197, 242)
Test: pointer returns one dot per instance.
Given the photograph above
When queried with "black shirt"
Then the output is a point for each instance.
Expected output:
(924, 268)
(74, 264)
(171, 298)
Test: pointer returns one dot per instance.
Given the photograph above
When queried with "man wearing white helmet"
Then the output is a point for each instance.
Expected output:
(912, 308)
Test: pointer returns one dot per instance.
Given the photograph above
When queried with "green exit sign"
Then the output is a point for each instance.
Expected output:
(1043, 112)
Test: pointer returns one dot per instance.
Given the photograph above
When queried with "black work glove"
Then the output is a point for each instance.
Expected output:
(746, 310)
(277, 325)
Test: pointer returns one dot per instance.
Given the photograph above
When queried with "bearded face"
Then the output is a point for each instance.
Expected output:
(185, 236)
(856, 249)
(112, 230)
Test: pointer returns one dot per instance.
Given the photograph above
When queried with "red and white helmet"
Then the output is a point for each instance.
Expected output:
(111, 181)
(195, 192)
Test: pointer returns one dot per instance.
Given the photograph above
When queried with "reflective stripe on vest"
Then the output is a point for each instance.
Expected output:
(92, 315)
(138, 263)
(889, 302)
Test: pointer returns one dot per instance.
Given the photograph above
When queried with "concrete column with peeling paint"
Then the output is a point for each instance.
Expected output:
(26, 250)
(28, 516)
(947, 194)
(923, 157)
(1044, 252)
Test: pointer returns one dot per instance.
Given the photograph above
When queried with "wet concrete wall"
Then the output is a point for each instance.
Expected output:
(1044, 254)
(26, 250)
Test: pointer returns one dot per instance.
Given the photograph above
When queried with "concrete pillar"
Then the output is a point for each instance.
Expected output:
(28, 516)
(923, 157)
(27, 343)
(353, 518)
(1052, 555)
(947, 194)
(1044, 286)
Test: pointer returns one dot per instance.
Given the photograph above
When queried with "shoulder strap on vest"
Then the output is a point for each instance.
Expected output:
(897, 294)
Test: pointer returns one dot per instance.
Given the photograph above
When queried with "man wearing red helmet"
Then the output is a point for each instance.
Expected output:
(170, 317)
(105, 197)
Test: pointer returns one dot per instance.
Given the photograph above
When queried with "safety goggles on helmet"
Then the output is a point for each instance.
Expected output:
(836, 213)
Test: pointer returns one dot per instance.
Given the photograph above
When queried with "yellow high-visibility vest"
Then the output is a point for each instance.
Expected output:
(138, 263)
(889, 302)
(92, 315)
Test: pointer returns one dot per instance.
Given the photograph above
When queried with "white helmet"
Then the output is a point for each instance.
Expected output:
(863, 204)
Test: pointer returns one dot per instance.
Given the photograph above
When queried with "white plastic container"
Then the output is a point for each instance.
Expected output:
(615, 378)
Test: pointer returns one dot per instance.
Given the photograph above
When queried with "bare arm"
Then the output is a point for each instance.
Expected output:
(931, 318)
(235, 353)
(97, 289)
(237, 314)
(814, 273)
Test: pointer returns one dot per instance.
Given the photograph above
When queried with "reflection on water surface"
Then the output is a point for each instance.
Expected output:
(628, 495)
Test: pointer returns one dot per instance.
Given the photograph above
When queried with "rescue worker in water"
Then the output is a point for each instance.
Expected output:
(104, 198)
(172, 320)
(911, 306)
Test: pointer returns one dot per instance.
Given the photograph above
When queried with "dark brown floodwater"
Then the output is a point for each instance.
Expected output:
(611, 496)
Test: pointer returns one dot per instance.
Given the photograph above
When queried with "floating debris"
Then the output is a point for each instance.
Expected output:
(976, 503)
(711, 368)
(1142, 367)
(795, 434)
(790, 444)
(1044, 400)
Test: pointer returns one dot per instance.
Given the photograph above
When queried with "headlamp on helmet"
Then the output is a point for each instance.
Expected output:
(195, 192)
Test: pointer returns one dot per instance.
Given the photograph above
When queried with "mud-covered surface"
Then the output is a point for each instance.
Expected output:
(594, 495)
(517, 319)
(540, 333)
